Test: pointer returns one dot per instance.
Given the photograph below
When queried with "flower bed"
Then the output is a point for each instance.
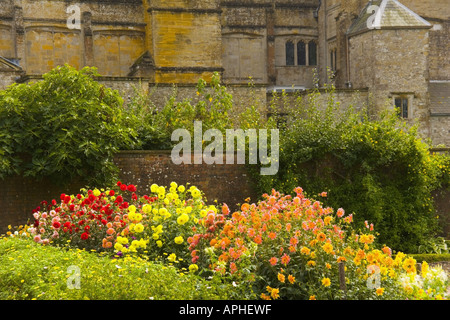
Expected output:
(283, 247)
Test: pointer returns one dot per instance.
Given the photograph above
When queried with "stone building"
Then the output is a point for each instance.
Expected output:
(383, 50)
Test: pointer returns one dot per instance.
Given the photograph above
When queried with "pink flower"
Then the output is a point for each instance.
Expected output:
(285, 259)
(340, 212)
(36, 215)
(45, 215)
(37, 239)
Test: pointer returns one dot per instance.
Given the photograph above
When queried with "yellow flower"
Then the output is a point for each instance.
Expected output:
(380, 291)
(147, 209)
(193, 268)
(305, 250)
(312, 297)
(291, 279)
(96, 192)
(281, 277)
(327, 247)
(139, 228)
(425, 268)
(311, 263)
(172, 257)
(118, 246)
(181, 189)
(159, 243)
(179, 240)
(182, 219)
(326, 282)
(275, 294)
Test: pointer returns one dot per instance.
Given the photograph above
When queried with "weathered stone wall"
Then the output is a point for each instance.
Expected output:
(377, 63)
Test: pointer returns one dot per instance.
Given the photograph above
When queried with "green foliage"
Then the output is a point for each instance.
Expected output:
(378, 169)
(65, 126)
(31, 271)
(431, 257)
(436, 245)
(155, 125)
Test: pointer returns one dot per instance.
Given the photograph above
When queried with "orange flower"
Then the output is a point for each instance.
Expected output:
(281, 277)
(245, 207)
(264, 296)
(291, 279)
(321, 237)
(293, 241)
(110, 231)
(273, 261)
(272, 235)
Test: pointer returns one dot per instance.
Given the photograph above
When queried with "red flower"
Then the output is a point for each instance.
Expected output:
(72, 207)
(56, 225)
(111, 193)
(84, 236)
(119, 183)
(54, 202)
(104, 222)
(123, 187)
(86, 228)
(63, 196)
(67, 224)
(131, 188)
(67, 199)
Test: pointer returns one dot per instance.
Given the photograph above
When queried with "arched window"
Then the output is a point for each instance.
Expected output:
(290, 59)
(312, 53)
(301, 53)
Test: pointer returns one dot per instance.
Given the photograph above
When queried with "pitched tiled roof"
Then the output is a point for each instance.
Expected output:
(379, 14)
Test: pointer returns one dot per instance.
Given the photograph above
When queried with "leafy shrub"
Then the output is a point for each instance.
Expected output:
(64, 127)
(32, 271)
(212, 106)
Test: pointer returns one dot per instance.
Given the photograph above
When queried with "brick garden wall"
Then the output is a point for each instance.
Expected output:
(224, 183)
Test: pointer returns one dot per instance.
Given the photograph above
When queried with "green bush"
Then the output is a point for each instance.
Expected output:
(31, 271)
(155, 124)
(65, 126)
(431, 258)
